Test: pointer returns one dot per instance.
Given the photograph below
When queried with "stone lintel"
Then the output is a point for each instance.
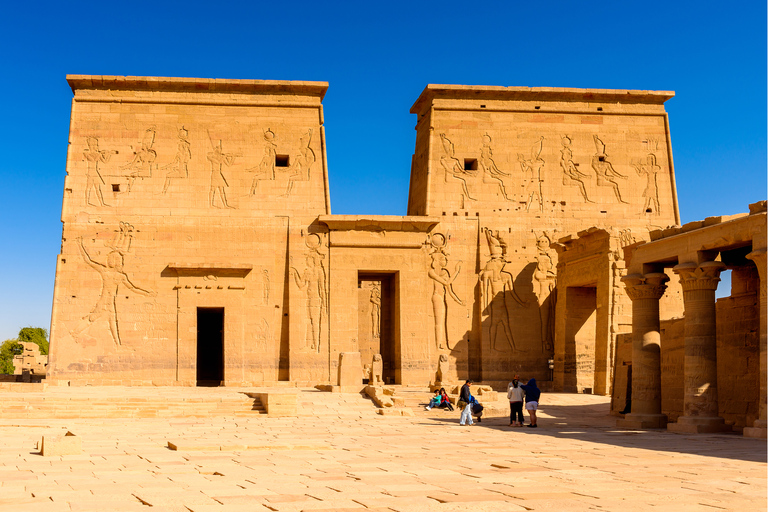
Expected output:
(212, 268)
(206, 85)
(421, 224)
(486, 92)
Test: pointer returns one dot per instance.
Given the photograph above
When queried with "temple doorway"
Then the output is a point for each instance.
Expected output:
(377, 321)
(580, 334)
(210, 346)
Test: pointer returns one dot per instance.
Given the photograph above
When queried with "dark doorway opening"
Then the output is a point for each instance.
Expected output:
(378, 322)
(210, 346)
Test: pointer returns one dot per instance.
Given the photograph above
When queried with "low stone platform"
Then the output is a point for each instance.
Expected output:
(339, 455)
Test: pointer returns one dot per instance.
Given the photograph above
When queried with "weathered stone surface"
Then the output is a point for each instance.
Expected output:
(55, 446)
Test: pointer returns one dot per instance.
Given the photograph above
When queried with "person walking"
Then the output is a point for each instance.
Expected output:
(532, 395)
(465, 401)
(515, 395)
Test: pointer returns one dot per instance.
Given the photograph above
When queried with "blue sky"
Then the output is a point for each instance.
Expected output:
(377, 58)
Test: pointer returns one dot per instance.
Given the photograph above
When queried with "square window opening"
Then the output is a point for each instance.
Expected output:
(281, 161)
(470, 164)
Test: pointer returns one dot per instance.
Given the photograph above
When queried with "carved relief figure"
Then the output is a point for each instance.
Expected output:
(377, 371)
(650, 169)
(218, 160)
(454, 168)
(606, 174)
(266, 168)
(143, 158)
(571, 175)
(94, 181)
(442, 283)
(545, 276)
(491, 173)
(178, 168)
(375, 310)
(442, 369)
(313, 283)
(113, 275)
(533, 166)
(263, 334)
(498, 289)
(302, 162)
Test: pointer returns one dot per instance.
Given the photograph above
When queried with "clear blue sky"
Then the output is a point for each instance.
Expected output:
(377, 56)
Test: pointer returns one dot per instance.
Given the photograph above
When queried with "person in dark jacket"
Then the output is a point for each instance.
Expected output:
(532, 395)
(465, 398)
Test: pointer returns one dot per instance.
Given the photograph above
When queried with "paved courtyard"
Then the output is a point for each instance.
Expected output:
(341, 456)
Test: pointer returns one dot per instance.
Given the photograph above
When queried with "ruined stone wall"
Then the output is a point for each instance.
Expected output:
(738, 363)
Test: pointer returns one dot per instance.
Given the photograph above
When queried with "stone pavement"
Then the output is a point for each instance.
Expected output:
(341, 456)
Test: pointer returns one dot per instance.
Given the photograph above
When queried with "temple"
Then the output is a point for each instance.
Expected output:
(199, 247)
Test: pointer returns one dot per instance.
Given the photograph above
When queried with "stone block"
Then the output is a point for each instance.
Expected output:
(68, 444)
(350, 370)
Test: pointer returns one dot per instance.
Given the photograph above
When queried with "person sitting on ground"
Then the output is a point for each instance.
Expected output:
(477, 409)
(445, 400)
(434, 401)
(515, 394)
(532, 395)
(465, 404)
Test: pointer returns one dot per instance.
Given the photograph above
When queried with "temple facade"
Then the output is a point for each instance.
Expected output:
(199, 247)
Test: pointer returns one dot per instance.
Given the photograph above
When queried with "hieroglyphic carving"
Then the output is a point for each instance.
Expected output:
(265, 286)
(93, 157)
(266, 168)
(313, 282)
(534, 182)
(545, 277)
(650, 170)
(302, 162)
(112, 276)
(442, 284)
(218, 160)
(263, 334)
(375, 310)
(178, 168)
(454, 169)
(606, 174)
(491, 173)
(571, 175)
(143, 158)
(498, 289)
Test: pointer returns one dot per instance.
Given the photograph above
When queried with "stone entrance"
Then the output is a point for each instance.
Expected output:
(376, 318)
(210, 346)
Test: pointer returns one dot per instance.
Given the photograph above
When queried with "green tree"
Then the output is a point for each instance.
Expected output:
(13, 347)
(36, 335)
(8, 349)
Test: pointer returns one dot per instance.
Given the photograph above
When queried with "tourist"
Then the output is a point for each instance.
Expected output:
(515, 395)
(445, 400)
(435, 401)
(465, 404)
(477, 409)
(532, 394)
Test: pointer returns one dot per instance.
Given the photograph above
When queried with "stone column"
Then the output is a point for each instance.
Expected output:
(700, 406)
(760, 427)
(645, 292)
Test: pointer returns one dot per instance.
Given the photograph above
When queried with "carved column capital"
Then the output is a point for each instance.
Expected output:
(704, 276)
(645, 286)
(759, 257)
